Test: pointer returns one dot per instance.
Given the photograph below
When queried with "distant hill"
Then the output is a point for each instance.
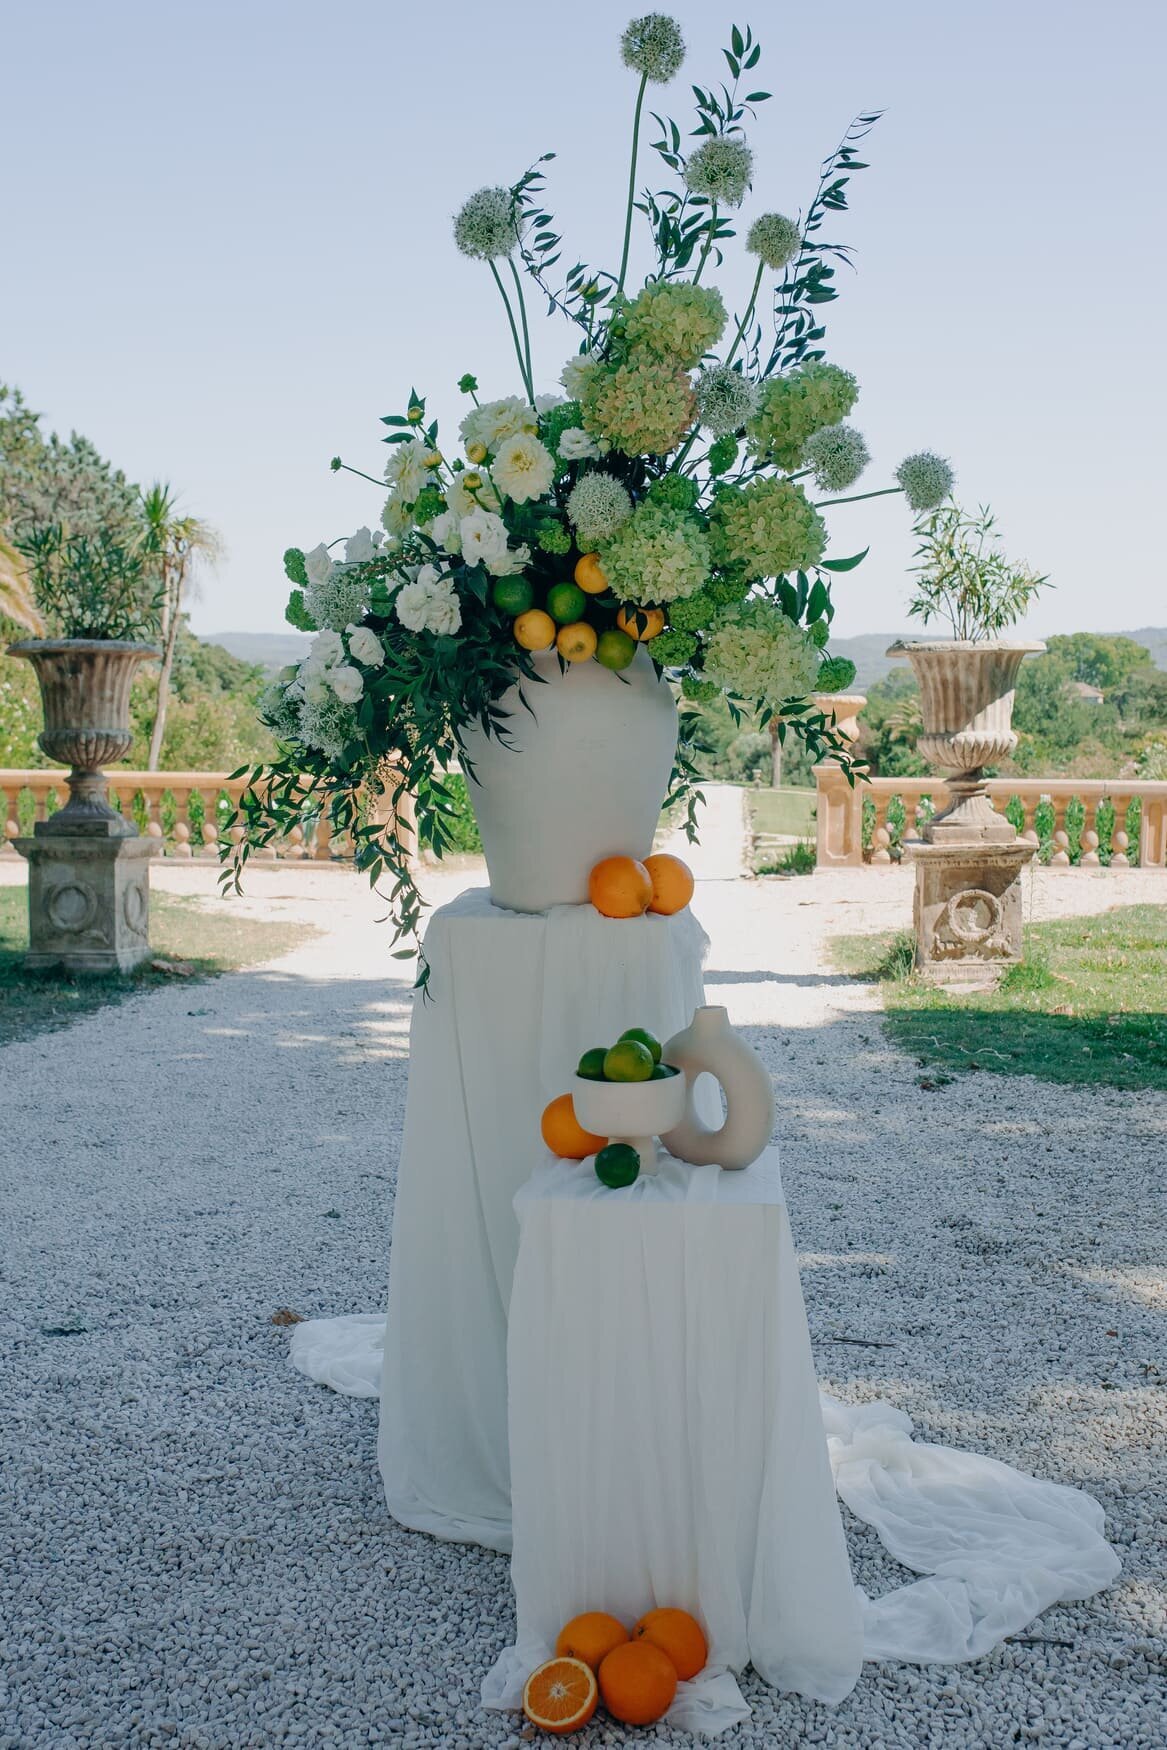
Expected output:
(871, 665)
(268, 650)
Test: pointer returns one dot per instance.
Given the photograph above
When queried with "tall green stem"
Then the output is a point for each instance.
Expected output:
(526, 332)
(747, 318)
(631, 184)
(502, 292)
(708, 243)
(856, 497)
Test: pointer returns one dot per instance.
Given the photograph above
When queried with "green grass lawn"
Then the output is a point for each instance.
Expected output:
(205, 941)
(786, 811)
(1088, 1003)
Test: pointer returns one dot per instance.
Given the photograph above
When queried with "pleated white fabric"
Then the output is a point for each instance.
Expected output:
(540, 989)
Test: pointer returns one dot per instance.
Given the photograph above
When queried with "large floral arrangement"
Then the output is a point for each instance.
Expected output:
(665, 497)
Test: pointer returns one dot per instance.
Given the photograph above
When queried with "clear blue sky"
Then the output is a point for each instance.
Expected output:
(228, 251)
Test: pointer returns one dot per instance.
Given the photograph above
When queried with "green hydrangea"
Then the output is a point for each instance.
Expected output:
(673, 649)
(552, 538)
(675, 320)
(556, 421)
(758, 654)
(793, 407)
(430, 503)
(643, 407)
(695, 612)
(728, 587)
(836, 674)
(766, 528)
(658, 555)
(698, 690)
(722, 455)
(679, 490)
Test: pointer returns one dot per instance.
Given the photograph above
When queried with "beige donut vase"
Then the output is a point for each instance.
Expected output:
(709, 1045)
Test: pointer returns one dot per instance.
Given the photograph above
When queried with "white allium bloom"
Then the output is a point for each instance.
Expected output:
(325, 651)
(429, 604)
(774, 239)
(575, 374)
(598, 504)
(494, 421)
(463, 498)
(926, 480)
(361, 547)
(485, 227)
(347, 683)
(725, 399)
(838, 455)
(575, 445)
(406, 469)
(327, 723)
(318, 564)
(339, 599)
(365, 646)
(484, 538)
(446, 531)
(721, 169)
(523, 468)
(653, 45)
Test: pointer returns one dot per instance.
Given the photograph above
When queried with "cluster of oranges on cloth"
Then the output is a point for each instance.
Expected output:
(580, 618)
(634, 1674)
(624, 887)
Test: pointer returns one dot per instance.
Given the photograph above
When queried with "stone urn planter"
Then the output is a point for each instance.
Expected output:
(582, 774)
(844, 708)
(966, 699)
(88, 866)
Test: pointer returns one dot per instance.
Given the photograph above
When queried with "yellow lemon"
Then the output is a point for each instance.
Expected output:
(641, 623)
(588, 574)
(535, 630)
(577, 642)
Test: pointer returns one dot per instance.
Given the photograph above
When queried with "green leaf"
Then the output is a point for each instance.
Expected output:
(844, 564)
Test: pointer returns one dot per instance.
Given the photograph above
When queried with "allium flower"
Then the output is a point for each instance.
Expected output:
(597, 506)
(523, 468)
(365, 646)
(720, 168)
(576, 446)
(339, 600)
(658, 555)
(280, 710)
(758, 654)
(406, 468)
(485, 228)
(775, 239)
(327, 723)
(725, 399)
(575, 373)
(676, 321)
(926, 480)
(838, 455)
(643, 407)
(347, 683)
(494, 421)
(653, 45)
(429, 604)
(766, 528)
(361, 547)
(792, 407)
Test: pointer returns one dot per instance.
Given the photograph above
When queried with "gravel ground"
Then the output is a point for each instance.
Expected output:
(193, 1546)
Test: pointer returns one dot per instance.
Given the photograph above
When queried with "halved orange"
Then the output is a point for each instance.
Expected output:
(561, 1696)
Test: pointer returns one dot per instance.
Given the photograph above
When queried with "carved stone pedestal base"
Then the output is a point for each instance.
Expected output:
(88, 900)
(968, 910)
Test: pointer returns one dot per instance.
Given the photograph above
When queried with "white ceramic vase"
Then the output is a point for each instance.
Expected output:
(581, 775)
(709, 1045)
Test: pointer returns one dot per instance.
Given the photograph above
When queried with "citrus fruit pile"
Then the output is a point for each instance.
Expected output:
(579, 616)
(635, 1675)
(635, 1057)
(623, 887)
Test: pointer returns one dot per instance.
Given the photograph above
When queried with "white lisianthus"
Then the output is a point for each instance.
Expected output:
(429, 604)
(470, 490)
(315, 689)
(406, 468)
(325, 651)
(365, 646)
(446, 532)
(575, 445)
(517, 559)
(445, 612)
(523, 468)
(545, 403)
(347, 683)
(484, 538)
(575, 373)
(495, 421)
(318, 564)
(361, 547)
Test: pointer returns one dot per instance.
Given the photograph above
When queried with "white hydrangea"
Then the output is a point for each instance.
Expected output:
(429, 604)
(720, 169)
(406, 469)
(837, 455)
(575, 445)
(361, 547)
(365, 646)
(575, 374)
(484, 539)
(925, 479)
(523, 468)
(347, 683)
(494, 421)
(598, 504)
(485, 226)
(758, 654)
(725, 399)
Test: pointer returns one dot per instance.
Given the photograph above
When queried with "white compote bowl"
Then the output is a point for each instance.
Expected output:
(633, 1112)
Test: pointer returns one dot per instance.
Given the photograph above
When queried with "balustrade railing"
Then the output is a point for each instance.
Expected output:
(185, 811)
(1091, 822)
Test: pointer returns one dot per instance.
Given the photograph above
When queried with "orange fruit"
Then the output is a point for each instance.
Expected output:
(638, 1683)
(678, 1635)
(588, 575)
(577, 642)
(565, 1135)
(535, 630)
(641, 623)
(590, 1637)
(620, 887)
(672, 883)
(560, 1696)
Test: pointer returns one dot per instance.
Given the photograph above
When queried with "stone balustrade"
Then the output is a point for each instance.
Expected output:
(181, 810)
(863, 823)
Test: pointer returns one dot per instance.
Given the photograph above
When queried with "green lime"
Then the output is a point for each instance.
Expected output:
(643, 1037)
(566, 602)
(662, 1072)
(514, 595)
(618, 1164)
(628, 1061)
(591, 1064)
(615, 648)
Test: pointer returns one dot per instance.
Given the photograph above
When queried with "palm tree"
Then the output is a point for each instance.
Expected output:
(176, 545)
(16, 603)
